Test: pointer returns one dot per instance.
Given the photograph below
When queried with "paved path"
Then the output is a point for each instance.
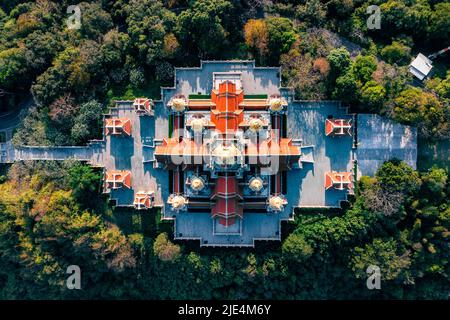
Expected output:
(11, 120)
(6, 152)
(8, 122)
(92, 153)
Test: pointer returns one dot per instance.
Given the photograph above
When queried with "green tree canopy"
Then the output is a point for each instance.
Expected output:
(202, 25)
(363, 68)
(281, 37)
(339, 61)
(148, 23)
(388, 255)
(421, 108)
(373, 96)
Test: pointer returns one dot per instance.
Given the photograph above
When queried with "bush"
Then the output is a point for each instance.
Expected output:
(396, 53)
(363, 68)
(137, 77)
(339, 61)
(372, 96)
(165, 249)
(296, 248)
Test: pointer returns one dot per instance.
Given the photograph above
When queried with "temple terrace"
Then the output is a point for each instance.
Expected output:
(227, 153)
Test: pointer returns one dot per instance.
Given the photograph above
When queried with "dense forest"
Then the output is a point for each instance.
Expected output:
(53, 214)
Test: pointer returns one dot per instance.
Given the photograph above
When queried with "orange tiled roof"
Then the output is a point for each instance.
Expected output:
(270, 147)
(142, 105)
(174, 147)
(338, 127)
(254, 104)
(115, 179)
(118, 126)
(200, 104)
(227, 115)
(142, 200)
(338, 180)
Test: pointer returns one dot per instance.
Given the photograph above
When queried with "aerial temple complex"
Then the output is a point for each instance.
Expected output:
(228, 154)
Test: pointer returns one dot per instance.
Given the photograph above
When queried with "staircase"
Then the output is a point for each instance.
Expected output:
(307, 155)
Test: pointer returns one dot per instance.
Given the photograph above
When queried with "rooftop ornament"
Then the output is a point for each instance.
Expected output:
(226, 155)
(198, 124)
(118, 126)
(197, 184)
(178, 202)
(178, 104)
(255, 124)
(277, 203)
(338, 180)
(277, 104)
(338, 127)
(116, 179)
(256, 184)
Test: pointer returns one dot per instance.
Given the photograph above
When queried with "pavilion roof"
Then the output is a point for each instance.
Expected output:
(338, 180)
(142, 200)
(143, 105)
(115, 179)
(338, 127)
(118, 126)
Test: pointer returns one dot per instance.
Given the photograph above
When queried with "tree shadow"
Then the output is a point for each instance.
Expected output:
(130, 220)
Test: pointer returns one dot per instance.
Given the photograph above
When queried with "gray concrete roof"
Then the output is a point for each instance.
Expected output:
(129, 153)
(306, 186)
(381, 139)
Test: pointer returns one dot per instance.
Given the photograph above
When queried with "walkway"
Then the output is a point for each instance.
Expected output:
(92, 153)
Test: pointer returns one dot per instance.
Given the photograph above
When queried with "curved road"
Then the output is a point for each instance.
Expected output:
(11, 120)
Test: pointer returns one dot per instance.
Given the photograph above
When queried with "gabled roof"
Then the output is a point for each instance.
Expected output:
(118, 126)
(227, 221)
(338, 127)
(226, 187)
(254, 104)
(227, 114)
(227, 208)
(116, 179)
(228, 195)
(272, 148)
(338, 180)
(143, 105)
(172, 147)
(142, 200)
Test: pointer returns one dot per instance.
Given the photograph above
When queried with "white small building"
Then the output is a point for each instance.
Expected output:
(420, 67)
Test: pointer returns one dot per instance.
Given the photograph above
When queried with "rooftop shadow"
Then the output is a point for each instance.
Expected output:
(122, 148)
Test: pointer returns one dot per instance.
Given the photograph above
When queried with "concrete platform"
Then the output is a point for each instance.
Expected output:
(376, 141)
(381, 139)
(132, 153)
(306, 121)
